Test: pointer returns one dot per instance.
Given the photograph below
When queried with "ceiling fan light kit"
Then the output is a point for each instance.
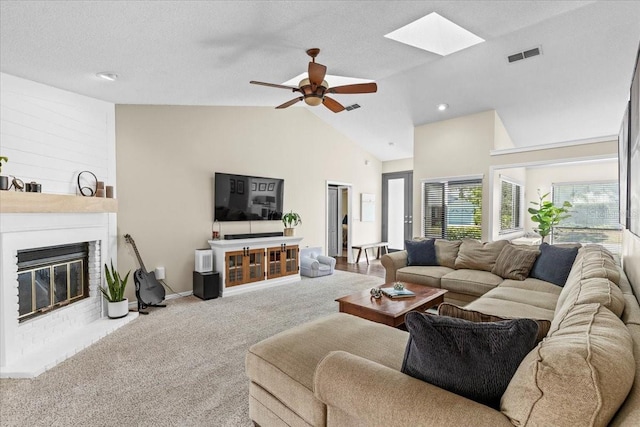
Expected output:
(315, 87)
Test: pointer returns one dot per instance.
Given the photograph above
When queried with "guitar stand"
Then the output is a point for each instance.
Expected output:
(142, 306)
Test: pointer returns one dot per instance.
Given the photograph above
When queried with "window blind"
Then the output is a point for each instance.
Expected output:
(510, 204)
(452, 209)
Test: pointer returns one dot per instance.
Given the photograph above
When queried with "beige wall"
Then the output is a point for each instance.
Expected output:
(451, 148)
(167, 156)
(465, 146)
(401, 165)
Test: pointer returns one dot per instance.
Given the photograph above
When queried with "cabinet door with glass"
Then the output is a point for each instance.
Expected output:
(282, 261)
(244, 266)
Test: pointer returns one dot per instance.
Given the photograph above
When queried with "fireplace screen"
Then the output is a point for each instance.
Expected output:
(50, 278)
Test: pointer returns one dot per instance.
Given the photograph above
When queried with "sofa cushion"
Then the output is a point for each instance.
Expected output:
(451, 310)
(477, 255)
(554, 264)
(509, 309)
(421, 252)
(427, 276)
(475, 360)
(515, 262)
(284, 364)
(578, 376)
(447, 252)
(470, 282)
(544, 300)
(532, 284)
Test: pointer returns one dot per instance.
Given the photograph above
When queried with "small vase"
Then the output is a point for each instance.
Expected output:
(117, 310)
(4, 182)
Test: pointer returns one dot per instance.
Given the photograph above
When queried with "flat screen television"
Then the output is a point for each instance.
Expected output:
(247, 198)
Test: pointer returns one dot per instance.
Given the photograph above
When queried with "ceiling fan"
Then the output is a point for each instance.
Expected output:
(315, 87)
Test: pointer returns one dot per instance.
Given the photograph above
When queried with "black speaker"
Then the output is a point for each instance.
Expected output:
(206, 285)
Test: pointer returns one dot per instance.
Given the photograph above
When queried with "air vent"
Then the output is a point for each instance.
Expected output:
(524, 55)
(351, 107)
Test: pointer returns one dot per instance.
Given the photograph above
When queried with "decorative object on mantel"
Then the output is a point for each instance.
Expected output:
(17, 184)
(4, 180)
(85, 189)
(109, 191)
(547, 215)
(117, 304)
(33, 187)
(291, 220)
(100, 189)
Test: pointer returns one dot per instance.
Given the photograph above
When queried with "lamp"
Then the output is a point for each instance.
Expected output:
(310, 97)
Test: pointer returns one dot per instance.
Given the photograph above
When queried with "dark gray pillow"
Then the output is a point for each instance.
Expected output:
(421, 252)
(554, 264)
(474, 360)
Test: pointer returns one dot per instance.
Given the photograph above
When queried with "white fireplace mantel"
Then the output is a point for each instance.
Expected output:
(31, 347)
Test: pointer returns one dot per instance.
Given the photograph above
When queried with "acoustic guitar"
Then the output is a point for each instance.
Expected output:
(149, 291)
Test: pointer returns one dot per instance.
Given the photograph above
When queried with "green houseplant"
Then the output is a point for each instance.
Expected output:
(117, 304)
(291, 220)
(4, 180)
(548, 215)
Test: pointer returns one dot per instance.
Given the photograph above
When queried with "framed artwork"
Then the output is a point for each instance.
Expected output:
(367, 207)
(633, 214)
(623, 167)
(271, 186)
(263, 186)
(240, 187)
(254, 186)
(232, 186)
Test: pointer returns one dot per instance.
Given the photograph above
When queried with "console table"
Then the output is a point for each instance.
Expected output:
(256, 263)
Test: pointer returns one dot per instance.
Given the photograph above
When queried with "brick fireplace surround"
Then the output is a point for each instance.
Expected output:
(31, 347)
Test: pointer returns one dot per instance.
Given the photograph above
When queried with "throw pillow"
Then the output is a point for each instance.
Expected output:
(554, 264)
(447, 252)
(515, 262)
(474, 360)
(476, 255)
(421, 252)
(446, 309)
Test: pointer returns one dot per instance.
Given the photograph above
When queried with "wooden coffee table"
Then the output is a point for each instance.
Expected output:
(387, 310)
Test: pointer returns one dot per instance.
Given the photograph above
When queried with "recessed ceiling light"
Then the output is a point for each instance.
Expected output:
(435, 34)
(107, 75)
(442, 107)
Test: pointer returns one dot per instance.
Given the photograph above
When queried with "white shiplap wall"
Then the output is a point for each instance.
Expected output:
(50, 135)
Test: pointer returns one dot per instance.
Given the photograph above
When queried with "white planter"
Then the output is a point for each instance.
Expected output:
(116, 310)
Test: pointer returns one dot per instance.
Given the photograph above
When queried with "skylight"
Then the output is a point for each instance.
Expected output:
(435, 34)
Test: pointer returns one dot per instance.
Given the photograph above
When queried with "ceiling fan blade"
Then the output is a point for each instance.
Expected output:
(332, 104)
(290, 103)
(292, 88)
(357, 88)
(316, 73)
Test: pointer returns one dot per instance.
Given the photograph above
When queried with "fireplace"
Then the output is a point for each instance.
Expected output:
(43, 318)
(50, 278)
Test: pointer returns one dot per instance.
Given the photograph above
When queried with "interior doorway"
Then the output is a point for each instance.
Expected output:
(338, 235)
(397, 208)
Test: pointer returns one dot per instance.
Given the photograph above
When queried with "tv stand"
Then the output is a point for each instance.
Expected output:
(256, 263)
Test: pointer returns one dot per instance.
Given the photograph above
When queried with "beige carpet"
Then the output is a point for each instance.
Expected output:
(179, 366)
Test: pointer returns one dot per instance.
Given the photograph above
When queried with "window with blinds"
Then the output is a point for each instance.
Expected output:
(452, 209)
(510, 207)
(595, 215)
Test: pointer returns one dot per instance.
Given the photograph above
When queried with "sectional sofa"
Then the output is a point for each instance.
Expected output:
(345, 371)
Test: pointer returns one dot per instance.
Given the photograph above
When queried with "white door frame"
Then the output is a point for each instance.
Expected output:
(349, 188)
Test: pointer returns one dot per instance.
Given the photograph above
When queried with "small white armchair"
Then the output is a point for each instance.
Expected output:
(314, 264)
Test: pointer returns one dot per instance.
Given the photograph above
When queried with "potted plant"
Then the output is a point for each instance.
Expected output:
(290, 220)
(4, 180)
(117, 304)
(547, 215)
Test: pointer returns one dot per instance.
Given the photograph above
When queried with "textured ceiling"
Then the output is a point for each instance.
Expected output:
(205, 53)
